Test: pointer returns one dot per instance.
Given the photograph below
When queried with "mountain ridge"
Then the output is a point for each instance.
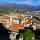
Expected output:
(24, 6)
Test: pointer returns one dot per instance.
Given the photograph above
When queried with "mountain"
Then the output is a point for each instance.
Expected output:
(37, 7)
(19, 6)
(6, 4)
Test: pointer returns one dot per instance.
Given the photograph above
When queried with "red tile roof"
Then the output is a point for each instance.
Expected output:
(15, 26)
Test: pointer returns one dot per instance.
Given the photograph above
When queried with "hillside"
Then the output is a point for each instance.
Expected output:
(6, 7)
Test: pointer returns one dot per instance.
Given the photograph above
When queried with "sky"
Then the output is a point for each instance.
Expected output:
(29, 2)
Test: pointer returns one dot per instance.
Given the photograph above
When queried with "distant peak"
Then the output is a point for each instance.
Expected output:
(7, 3)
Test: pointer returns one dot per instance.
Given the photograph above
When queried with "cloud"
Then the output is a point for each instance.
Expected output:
(35, 2)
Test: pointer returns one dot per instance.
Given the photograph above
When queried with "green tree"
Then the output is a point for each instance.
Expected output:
(27, 35)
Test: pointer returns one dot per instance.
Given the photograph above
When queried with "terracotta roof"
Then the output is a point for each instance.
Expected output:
(5, 17)
(15, 26)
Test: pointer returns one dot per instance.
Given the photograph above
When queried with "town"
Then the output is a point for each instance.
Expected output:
(19, 21)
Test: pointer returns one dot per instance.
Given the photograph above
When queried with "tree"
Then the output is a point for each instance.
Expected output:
(27, 35)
